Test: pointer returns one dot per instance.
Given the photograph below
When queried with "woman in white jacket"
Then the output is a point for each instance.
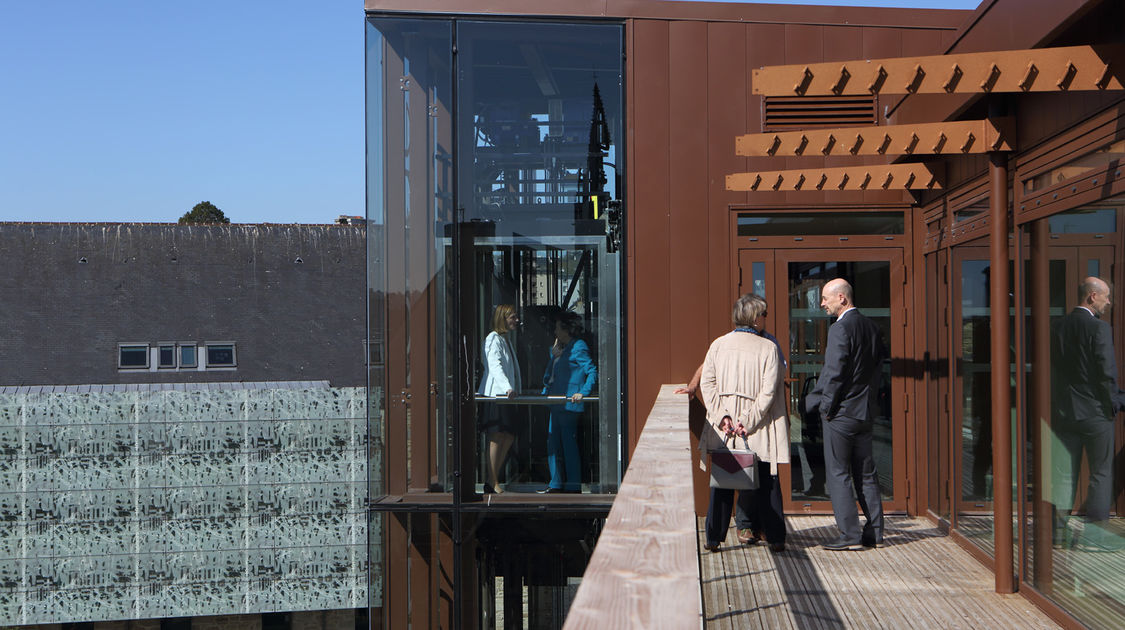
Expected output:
(743, 390)
(501, 379)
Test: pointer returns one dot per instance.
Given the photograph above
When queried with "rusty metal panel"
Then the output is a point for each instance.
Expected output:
(969, 136)
(689, 189)
(843, 42)
(728, 96)
(647, 218)
(763, 47)
(689, 102)
(879, 43)
(874, 177)
(1034, 70)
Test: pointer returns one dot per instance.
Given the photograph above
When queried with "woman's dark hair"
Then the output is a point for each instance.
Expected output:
(571, 323)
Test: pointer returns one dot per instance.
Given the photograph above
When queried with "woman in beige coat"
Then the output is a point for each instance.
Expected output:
(742, 387)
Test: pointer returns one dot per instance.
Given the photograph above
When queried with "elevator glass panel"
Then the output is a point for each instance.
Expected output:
(540, 137)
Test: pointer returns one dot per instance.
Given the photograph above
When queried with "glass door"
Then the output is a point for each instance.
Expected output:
(972, 378)
(791, 280)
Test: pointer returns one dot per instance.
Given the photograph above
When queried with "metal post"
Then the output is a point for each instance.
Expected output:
(1039, 263)
(1001, 374)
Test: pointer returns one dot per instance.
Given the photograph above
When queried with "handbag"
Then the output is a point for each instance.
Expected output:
(734, 468)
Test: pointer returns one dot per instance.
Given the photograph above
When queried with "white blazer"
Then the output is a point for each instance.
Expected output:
(501, 369)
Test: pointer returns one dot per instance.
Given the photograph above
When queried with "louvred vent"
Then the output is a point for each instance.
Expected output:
(809, 112)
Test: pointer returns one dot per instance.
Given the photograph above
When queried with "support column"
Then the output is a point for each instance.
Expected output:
(1001, 374)
(1043, 520)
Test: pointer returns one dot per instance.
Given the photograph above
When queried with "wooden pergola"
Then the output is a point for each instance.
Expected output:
(1060, 69)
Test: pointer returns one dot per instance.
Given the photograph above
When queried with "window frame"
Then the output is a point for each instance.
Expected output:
(174, 363)
(121, 347)
(180, 347)
(208, 364)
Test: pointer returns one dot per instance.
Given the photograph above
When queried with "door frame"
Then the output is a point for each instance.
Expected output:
(775, 260)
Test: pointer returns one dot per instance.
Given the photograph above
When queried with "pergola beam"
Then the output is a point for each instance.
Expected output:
(915, 176)
(1099, 67)
(943, 138)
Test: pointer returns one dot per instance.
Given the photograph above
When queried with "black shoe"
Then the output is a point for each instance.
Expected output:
(549, 490)
(712, 547)
(843, 544)
(488, 489)
(777, 547)
(872, 538)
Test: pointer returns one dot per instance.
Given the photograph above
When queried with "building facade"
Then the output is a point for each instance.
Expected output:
(499, 136)
(118, 303)
(183, 427)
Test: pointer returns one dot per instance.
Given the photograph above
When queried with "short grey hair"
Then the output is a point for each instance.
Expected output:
(747, 309)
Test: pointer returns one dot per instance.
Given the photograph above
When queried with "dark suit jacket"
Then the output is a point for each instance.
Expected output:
(1084, 374)
(853, 360)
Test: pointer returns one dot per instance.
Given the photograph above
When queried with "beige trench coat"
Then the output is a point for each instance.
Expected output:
(743, 378)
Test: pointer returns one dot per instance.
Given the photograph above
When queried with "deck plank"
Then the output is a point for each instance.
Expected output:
(918, 579)
(773, 610)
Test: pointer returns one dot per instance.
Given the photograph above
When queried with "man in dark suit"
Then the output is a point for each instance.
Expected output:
(1086, 400)
(845, 397)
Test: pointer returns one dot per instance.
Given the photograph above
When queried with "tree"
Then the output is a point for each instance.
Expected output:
(204, 212)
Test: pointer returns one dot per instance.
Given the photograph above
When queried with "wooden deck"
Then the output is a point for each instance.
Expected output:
(917, 579)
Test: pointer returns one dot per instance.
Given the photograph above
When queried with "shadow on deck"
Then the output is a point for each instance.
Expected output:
(919, 578)
(648, 569)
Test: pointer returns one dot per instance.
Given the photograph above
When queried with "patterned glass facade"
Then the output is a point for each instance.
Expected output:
(213, 500)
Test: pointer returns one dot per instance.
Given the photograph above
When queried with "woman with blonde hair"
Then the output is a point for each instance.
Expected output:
(742, 388)
(501, 379)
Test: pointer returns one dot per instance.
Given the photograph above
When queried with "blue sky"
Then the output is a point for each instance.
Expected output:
(135, 110)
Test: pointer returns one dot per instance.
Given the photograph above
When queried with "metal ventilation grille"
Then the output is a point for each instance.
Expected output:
(808, 112)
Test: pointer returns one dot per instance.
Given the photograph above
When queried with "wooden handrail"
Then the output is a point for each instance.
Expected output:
(644, 572)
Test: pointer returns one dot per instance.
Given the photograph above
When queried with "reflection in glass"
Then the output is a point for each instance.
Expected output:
(539, 114)
(973, 209)
(409, 201)
(1097, 159)
(758, 273)
(808, 331)
(820, 223)
(938, 383)
(976, 384)
(1076, 550)
(133, 356)
(974, 362)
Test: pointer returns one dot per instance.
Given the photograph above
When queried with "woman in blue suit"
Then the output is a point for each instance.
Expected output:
(571, 373)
